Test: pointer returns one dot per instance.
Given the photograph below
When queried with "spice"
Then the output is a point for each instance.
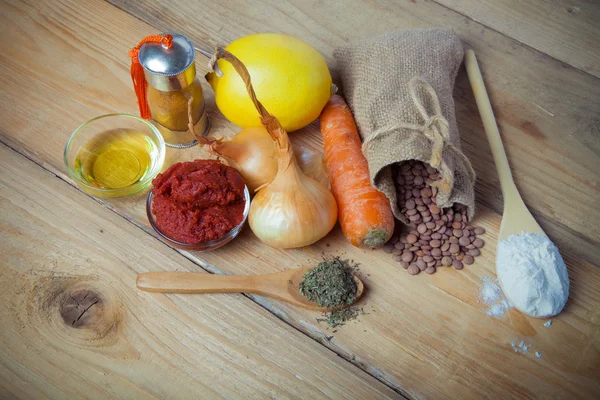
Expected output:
(198, 201)
(439, 236)
(331, 283)
(170, 108)
(164, 78)
(340, 317)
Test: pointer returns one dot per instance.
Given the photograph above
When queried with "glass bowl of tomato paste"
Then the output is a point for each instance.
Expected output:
(188, 216)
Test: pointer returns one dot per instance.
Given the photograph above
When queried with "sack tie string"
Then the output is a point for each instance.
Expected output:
(435, 129)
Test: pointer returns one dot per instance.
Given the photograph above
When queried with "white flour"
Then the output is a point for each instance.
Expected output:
(524, 348)
(491, 294)
(533, 274)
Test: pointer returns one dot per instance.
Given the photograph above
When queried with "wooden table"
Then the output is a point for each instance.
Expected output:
(73, 325)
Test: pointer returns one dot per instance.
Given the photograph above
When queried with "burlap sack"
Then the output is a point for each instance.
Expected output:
(399, 87)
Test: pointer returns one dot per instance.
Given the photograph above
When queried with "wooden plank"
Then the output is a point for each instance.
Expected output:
(565, 30)
(74, 326)
(546, 112)
(424, 336)
(435, 327)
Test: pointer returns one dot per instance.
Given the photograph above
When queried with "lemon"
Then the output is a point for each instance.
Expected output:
(290, 78)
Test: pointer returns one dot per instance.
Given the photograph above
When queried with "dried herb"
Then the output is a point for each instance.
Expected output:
(331, 283)
(339, 317)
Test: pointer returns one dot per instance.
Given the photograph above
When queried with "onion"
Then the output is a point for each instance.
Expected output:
(293, 210)
(312, 163)
(252, 152)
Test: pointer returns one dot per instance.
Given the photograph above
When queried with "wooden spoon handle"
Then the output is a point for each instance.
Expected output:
(489, 123)
(195, 282)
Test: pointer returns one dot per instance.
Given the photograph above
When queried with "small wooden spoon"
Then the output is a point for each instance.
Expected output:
(516, 218)
(281, 285)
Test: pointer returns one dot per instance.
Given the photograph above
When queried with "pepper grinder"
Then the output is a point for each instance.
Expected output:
(163, 71)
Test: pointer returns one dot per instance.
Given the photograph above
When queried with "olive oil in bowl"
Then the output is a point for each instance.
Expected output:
(116, 159)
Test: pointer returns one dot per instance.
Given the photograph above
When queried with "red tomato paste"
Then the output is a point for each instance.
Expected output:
(198, 201)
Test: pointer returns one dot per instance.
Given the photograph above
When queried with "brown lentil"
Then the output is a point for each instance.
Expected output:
(438, 237)
(413, 269)
(474, 252)
(407, 256)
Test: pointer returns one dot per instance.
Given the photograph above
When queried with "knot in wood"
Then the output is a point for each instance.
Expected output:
(81, 308)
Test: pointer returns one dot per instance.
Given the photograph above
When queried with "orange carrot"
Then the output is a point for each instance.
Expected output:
(364, 212)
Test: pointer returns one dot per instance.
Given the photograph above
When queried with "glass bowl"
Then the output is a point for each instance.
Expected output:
(105, 149)
(204, 246)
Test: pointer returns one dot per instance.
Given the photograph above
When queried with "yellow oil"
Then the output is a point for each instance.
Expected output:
(115, 159)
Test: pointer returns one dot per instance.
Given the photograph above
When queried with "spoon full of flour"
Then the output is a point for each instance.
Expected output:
(530, 269)
(532, 273)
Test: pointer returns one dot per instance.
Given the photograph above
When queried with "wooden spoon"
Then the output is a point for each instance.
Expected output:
(516, 218)
(281, 285)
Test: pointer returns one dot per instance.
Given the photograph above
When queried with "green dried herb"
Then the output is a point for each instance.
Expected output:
(339, 317)
(331, 283)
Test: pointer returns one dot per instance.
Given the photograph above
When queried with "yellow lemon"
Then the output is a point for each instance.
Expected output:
(290, 78)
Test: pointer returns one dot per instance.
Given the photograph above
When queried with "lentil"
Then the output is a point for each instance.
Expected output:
(437, 236)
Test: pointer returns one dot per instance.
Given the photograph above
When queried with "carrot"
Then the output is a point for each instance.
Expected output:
(364, 212)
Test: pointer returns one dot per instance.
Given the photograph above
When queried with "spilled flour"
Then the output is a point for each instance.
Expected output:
(491, 295)
(524, 348)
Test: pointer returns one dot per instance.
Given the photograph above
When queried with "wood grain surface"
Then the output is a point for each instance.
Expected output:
(565, 29)
(424, 336)
(74, 326)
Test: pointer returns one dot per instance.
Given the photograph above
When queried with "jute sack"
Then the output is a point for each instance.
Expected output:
(399, 87)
